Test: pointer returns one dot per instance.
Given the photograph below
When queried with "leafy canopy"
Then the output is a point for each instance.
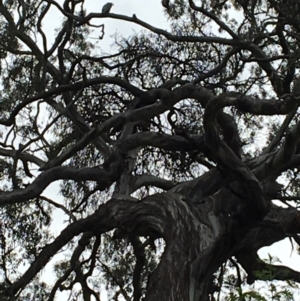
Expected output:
(171, 146)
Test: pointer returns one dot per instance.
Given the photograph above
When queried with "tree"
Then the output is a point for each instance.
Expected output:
(179, 140)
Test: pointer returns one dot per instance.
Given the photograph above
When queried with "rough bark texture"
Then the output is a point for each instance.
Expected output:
(168, 112)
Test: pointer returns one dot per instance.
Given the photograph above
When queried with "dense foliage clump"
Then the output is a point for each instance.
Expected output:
(176, 155)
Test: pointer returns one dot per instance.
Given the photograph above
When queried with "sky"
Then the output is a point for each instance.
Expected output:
(151, 12)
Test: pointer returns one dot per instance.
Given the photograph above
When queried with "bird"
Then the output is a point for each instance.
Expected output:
(106, 8)
(165, 3)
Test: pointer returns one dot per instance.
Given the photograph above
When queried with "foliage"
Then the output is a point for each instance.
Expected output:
(169, 151)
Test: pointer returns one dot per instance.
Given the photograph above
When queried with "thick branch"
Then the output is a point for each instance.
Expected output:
(98, 174)
(23, 156)
(140, 216)
(150, 180)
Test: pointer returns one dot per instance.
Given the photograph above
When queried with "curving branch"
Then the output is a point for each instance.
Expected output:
(128, 214)
(150, 180)
(23, 156)
(104, 178)
(73, 87)
(260, 270)
(253, 200)
(162, 141)
(279, 134)
(212, 16)
(60, 206)
(281, 158)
